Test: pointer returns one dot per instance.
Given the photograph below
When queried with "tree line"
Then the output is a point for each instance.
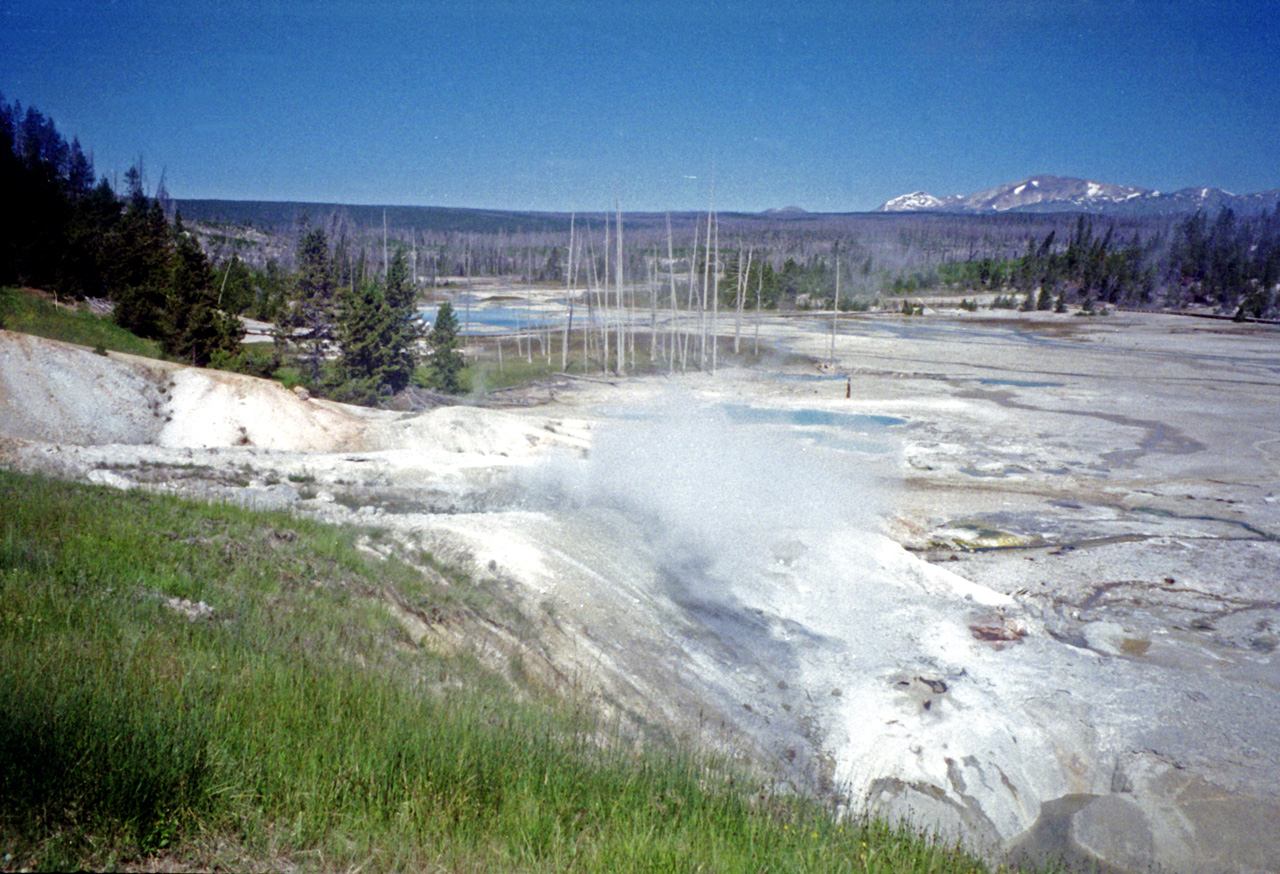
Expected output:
(1143, 261)
(342, 327)
(64, 230)
(1228, 263)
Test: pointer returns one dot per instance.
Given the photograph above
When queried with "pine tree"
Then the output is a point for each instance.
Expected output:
(403, 330)
(377, 332)
(139, 264)
(194, 328)
(235, 286)
(270, 292)
(79, 172)
(362, 335)
(446, 360)
(310, 317)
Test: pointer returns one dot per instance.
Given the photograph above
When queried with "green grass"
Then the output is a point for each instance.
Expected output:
(484, 372)
(299, 726)
(29, 314)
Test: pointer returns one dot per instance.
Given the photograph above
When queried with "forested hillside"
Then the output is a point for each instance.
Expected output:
(62, 230)
(68, 233)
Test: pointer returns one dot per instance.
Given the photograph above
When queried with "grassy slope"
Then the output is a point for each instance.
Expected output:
(300, 726)
(29, 314)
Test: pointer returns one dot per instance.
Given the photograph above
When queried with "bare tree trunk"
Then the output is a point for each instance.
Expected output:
(516, 327)
(702, 308)
(226, 271)
(675, 312)
(693, 285)
(759, 307)
(589, 339)
(653, 306)
(622, 349)
(541, 328)
(528, 320)
(742, 297)
(631, 322)
(715, 303)
(568, 282)
(466, 270)
(604, 303)
(835, 312)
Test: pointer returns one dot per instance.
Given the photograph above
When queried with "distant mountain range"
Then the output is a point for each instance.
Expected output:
(1065, 194)
(785, 212)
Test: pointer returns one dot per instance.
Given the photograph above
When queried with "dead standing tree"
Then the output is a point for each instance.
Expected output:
(715, 299)
(568, 279)
(622, 319)
(673, 334)
(685, 340)
(743, 274)
(604, 303)
(835, 311)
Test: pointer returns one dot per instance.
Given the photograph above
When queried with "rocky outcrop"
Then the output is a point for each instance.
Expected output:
(55, 392)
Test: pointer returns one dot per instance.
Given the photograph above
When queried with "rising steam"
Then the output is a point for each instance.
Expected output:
(717, 491)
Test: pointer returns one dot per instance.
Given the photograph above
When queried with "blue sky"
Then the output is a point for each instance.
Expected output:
(572, 104)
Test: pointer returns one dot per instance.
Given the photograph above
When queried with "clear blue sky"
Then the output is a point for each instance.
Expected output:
(569, 104)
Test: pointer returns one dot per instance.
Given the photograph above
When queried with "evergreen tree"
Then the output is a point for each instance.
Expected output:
(139, 264)
(83, 269)
(194, 327)
(79, 172)
(363, 330)
(377, 333)
(270, 286)
(1024, 271)
(310, 317)
(235, 286)
(404, 329)
(552, 270)
(446, 360)
(766, 285)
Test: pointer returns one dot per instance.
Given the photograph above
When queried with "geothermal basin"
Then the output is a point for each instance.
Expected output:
(1013, 579)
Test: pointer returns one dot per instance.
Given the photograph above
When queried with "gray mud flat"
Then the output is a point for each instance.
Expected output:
(1019, 586)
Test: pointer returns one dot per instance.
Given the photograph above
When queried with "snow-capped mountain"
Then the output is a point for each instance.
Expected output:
(1066, 194)
(913, 202)
(1049, 190)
